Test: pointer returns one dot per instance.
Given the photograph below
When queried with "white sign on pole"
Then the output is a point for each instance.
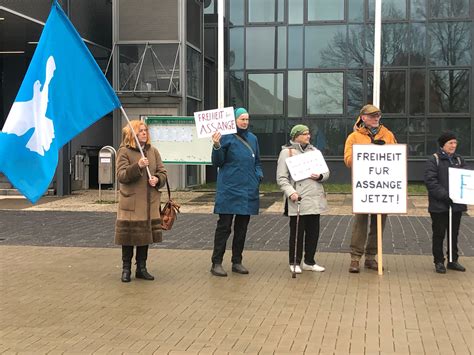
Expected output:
(379, 178)
(461, 186)
(221, 119)
(301, 166)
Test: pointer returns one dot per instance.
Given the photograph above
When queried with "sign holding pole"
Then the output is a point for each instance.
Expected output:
(379, 183)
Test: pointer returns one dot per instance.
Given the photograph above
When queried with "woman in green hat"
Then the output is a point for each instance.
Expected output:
(313, 202)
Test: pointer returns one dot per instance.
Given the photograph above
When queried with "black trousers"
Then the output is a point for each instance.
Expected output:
(127, 253)
(308, 229)
(223, 231)
(440, 226)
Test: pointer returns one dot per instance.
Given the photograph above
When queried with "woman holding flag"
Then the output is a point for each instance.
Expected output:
(138, 218)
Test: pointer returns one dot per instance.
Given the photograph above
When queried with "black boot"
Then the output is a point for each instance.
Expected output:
(127, 254)
(142, 255)
(126, 271)
(142, 272)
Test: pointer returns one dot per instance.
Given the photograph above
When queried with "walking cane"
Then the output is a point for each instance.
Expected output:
(293, 274)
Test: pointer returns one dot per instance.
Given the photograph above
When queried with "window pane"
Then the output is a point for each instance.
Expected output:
(209, 9)
(320, 44)
(261, 10)
(194, 73)
(392, 92)
(156, 72)
(236, 9)
(449, 8)
(398, 126)
(236, 48)
(260, 47)
(449, 90)
(210, 42)
(356, 10)
(328, 135)
(418, 44)
(237, 89)
(418, 9)
(281, 11)
(355, 46)
(295, 12)
(295, 93)
(391, 9)
(417, 137)
(324, 93)
(417, 92)
(450, 43)
(325, 10)
(369, 44)
(281, 59)
(193, 23)
(355, 92)
(192, 106)
(265, 93)
(263, 129)
(395, 44)
(461, 128)
(295, 47)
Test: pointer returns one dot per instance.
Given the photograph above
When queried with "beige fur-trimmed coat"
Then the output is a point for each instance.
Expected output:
(138, 217)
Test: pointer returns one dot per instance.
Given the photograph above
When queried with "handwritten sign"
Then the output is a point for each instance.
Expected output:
(301, 166)
(208, 122)
(379, 178)
(461, 186)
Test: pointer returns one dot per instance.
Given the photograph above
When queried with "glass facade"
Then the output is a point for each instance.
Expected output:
(311, 61)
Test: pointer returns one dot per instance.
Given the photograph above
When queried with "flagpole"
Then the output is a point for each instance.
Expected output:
(136, 139)
(376, 102)
(220, 53)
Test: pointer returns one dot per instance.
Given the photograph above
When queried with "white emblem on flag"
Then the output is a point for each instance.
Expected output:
(32, 114)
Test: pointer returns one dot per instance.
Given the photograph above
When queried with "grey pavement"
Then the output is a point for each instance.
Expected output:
(404, 235)
(61, 293)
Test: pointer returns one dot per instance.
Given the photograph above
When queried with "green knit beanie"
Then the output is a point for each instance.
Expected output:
(297, 130)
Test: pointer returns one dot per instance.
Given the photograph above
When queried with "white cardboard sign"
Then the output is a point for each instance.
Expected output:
(301, 166)
(461, 186)
(210, 121)
(379, 178)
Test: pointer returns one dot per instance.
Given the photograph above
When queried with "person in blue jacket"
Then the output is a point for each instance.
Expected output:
(237, 158)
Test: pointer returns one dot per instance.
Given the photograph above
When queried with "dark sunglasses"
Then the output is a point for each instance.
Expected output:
(378, 141)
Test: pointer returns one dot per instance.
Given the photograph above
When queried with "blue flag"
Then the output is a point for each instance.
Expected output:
(63, 92)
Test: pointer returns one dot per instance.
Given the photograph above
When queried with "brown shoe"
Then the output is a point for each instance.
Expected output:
(354, 268)
(371, 264)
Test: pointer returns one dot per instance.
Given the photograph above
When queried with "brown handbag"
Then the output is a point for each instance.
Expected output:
(169, 212)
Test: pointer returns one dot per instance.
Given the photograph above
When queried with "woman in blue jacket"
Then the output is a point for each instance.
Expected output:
(237, 158)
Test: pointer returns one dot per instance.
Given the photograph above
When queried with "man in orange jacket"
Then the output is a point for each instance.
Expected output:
(366, 130)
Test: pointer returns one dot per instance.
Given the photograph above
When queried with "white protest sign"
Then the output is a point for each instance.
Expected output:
(461, 186)
(301, 166)
(379, 178)
(221, 119)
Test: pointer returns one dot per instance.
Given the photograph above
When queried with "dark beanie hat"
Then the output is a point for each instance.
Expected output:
(445, 137)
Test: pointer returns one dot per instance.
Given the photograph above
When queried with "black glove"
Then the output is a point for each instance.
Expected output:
(449, 201)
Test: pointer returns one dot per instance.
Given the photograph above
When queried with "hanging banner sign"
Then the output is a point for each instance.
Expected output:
(379, 178)
(461, 186)
(221, 120)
